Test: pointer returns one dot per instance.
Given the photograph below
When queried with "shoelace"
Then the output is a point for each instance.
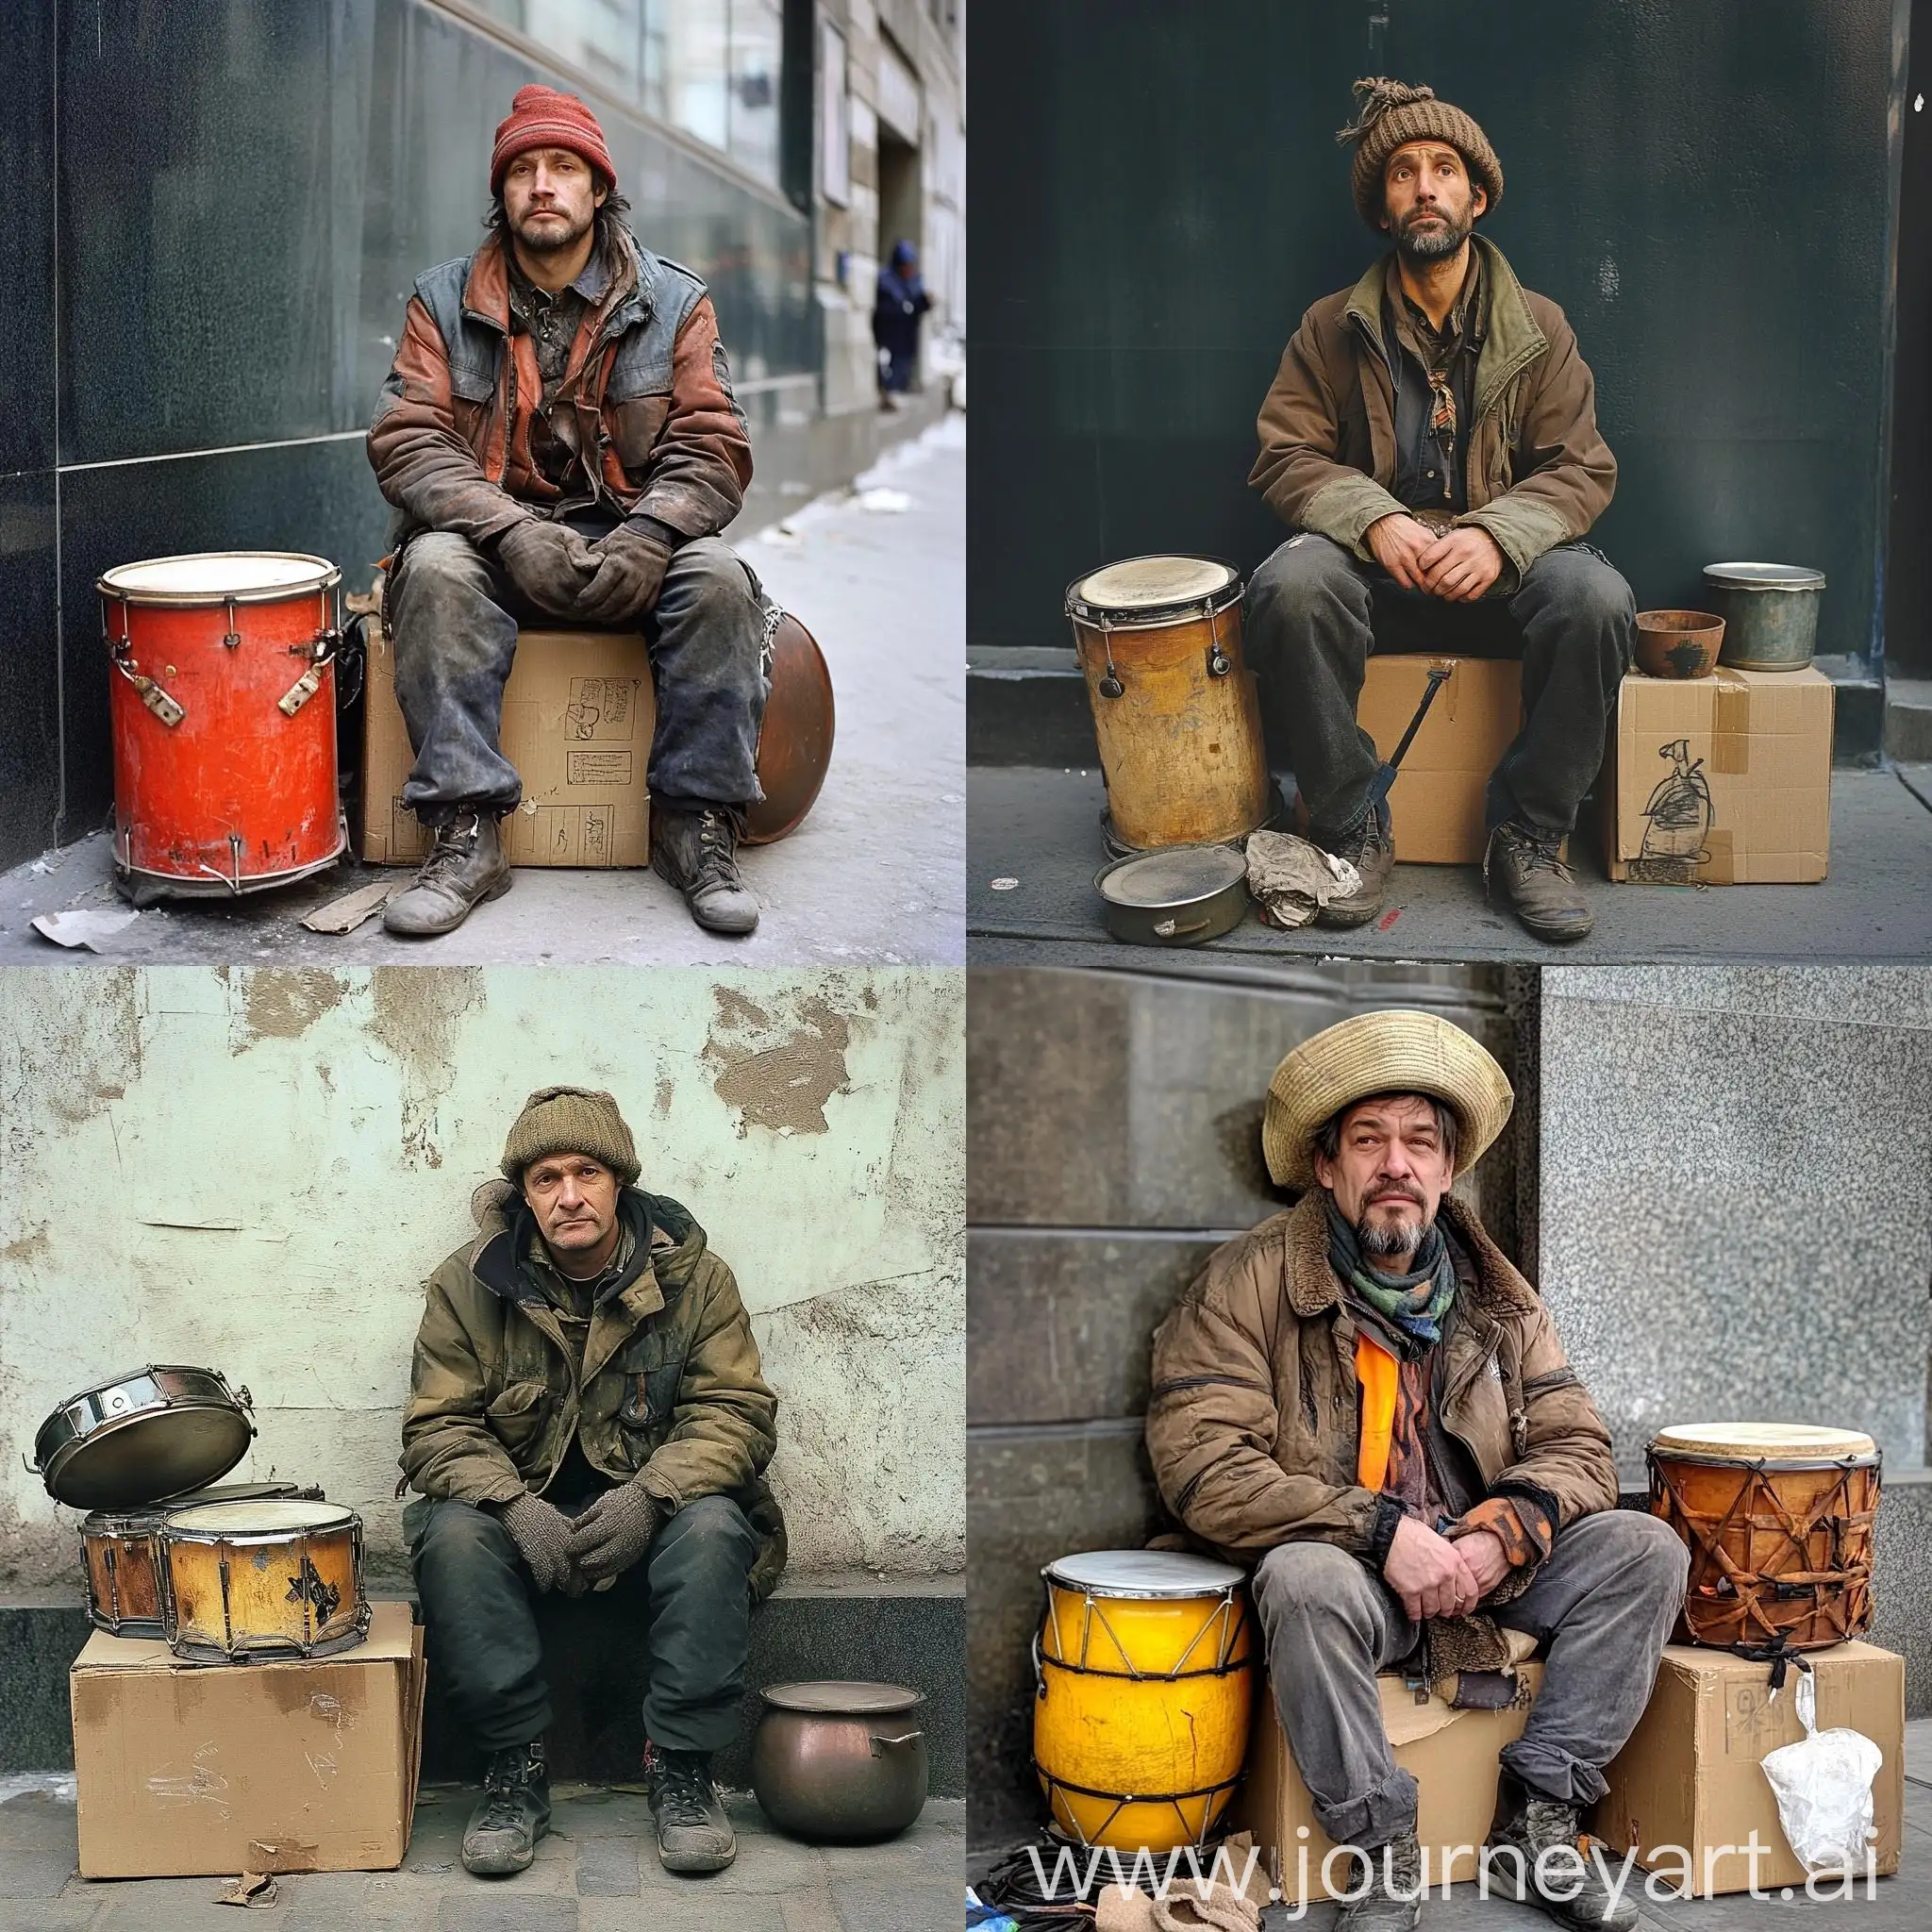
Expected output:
(716, 866)
(684, 1793)
(503, 1790)
(1539, 854)
(453, 843)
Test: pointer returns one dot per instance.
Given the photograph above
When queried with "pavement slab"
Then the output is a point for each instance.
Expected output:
(1037, 832)
(874, 875)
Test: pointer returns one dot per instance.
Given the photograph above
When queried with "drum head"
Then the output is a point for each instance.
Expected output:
(1143, 1574)
(1150, 590)
(214, 577)
(150, 1457)
(1173, 879)
(1767, 1442)
(258, 1519)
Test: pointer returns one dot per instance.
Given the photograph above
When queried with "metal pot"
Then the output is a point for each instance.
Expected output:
(1178, 895)
(840, 1761)
(1770, 612)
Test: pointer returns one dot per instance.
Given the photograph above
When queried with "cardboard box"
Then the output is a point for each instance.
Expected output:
(182, 1769)
(1452, 1755)
(1720, 781)
(1691, 1776)
(1437, 801)
(579, 712)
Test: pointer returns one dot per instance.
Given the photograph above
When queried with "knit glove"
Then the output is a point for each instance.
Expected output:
(542, 1533)
(630, 573)
(614, 1532)
(548, 562)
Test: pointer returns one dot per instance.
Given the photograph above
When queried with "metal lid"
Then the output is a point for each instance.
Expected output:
(1171, 878)
(219, 577)
(130, 1446)
(1143, 1574)
(842, 1699)
(1763, 577)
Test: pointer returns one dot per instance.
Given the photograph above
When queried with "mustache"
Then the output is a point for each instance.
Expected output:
(1393, 1190)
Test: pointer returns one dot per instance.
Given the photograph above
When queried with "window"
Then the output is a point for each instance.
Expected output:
(835, 117)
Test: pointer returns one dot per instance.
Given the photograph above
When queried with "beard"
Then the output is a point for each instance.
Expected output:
(551, 240)
(1387, 1239)
(1433, 245)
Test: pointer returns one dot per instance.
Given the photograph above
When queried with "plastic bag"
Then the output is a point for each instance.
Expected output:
(1822, 1784)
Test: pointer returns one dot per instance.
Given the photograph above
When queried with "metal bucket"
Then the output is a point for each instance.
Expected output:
(1770, 612)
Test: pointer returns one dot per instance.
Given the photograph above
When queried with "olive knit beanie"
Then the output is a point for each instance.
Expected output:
(1392, 112)
(570, 1119)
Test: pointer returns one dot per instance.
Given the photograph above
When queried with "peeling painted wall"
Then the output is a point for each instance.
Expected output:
(257, 1171)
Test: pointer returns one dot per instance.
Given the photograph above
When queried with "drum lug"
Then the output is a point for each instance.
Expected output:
(1218, 662)
(1110, 686)
(232, 639)
(170, 711)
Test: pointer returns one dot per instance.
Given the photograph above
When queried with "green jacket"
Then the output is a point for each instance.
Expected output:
(1540, 474)
(672, 1390)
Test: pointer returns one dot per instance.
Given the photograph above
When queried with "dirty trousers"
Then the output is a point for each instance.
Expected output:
(1314, 613)
(1603, 1606)
(453, 613)
(688, 1599)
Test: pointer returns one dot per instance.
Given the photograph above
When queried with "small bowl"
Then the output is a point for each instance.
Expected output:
(1679, 643)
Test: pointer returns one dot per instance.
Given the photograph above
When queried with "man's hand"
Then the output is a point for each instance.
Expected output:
(548, 562)
(1428, 1573)
(1460, 564)
(614, 1532)
(542, 1533)
(1488, 1562)
(630, 574)
(1400, 541)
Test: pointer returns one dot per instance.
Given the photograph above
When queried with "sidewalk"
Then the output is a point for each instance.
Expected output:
(873, 877)
(597, 1872)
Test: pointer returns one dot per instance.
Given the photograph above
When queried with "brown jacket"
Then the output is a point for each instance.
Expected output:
(1539, 472)
(647, 401)
(672, 1390)
(1253, 1427)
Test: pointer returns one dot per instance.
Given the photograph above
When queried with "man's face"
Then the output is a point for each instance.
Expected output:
(574, 1200)
(551, 197)
(1389, 1172)
(1429, 201)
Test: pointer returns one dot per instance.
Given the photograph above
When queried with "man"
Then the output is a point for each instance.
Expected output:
(587, 1412)
(1363, 1402)
(898, 307)
(560, 441)
(1432, 435)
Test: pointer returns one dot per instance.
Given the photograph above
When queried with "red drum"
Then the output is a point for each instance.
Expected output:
(223, 713)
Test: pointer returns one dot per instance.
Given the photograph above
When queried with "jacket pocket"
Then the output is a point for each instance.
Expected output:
(635, 423)
(516, 1415)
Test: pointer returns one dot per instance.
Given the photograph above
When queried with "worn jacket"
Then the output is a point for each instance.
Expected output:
(1538, 471)
(671, 1390)
(1253, 1422)
(647, 398)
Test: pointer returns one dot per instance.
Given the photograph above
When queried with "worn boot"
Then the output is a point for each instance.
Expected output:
(1528, 1857)
(697, 851)
(465, 866)
(514, 1814)
(694, 1834)
(1524, 868)
(1371, 849)
(1393, 1901)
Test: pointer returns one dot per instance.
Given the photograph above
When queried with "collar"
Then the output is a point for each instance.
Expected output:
(1494, 1283)
(623, 289)
(499, 1262)
(589, 284)
(1464, 319)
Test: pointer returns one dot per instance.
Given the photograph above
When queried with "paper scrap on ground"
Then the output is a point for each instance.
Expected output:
(346, 913)
(251, 1889)
(84, 928)
(1291, 880)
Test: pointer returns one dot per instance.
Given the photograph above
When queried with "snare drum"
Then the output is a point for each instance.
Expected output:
(120, 1556)
(1144, 1671)
(1778, 1518)
(143, 1437)
(224, 716)
(1174, 708)
(248, 1581)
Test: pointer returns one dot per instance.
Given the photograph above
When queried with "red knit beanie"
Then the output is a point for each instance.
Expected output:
(542, 117)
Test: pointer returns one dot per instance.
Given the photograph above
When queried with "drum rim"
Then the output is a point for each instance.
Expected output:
(1232, 1577)
(328, 576)
(342, 1518)
(1801, 1450)
(1769, 1465)
(1156, 616)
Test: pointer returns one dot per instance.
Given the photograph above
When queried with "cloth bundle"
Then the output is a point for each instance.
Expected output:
(1291, 880)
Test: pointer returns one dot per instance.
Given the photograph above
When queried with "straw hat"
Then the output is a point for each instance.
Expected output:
(1395, 1051)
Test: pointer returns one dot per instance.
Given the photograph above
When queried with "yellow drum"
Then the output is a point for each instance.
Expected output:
(1175, 706)
(1144, 1668)
(242, 1581)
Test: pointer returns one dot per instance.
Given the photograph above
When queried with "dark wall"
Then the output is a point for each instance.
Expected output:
(1909, 569)
(1705, 188)
(245, 191)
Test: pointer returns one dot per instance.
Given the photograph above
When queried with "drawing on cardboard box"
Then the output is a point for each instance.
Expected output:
(601, 707)
(1676, 818)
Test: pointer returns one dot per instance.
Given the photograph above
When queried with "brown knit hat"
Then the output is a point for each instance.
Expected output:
(571, 1120)
(1392, 112)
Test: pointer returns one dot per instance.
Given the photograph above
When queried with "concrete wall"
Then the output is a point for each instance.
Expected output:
(257, 1171)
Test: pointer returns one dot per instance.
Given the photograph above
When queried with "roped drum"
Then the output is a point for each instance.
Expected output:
(1145, 1675)
(1174, 708)
(120, 1555)
(242, 1582)
(223, 717)
(1778, 1518)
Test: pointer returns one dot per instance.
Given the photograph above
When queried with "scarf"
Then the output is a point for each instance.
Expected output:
(1410, 1307)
